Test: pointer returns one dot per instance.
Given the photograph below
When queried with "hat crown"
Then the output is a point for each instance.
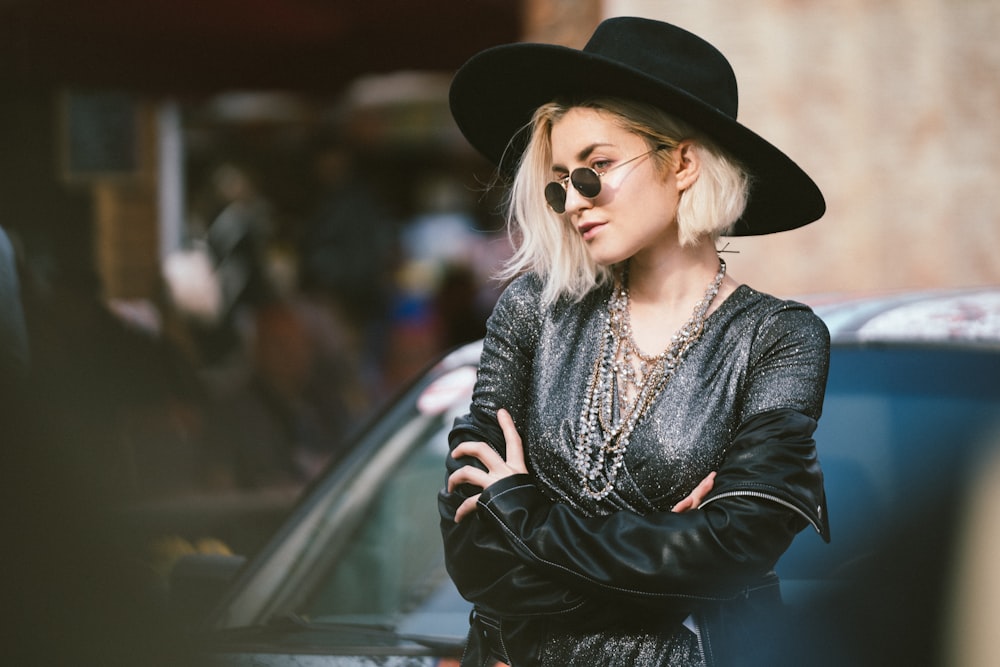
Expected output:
(670, 55)
(494, 95)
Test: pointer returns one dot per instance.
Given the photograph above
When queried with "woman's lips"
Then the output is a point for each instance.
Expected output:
(589, 229)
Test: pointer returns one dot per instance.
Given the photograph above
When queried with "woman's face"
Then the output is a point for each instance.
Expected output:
(636, 209)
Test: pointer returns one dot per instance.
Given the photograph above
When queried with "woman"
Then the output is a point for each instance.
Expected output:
(630, 472)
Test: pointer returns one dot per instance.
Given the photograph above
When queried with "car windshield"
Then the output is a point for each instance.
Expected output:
(363, 549)
(391, 571)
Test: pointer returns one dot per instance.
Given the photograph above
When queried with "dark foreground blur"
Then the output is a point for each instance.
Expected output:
(135, 433)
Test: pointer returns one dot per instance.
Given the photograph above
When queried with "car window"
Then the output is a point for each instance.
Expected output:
(900, 424)
(379, 561)
(394, 561)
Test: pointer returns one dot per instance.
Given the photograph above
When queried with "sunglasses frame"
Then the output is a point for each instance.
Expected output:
(557, 190)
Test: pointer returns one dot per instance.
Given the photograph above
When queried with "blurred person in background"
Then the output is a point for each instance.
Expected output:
(223, 273)
(120, 399)
(293, 412)
(443, 294)
(75, 589)
(347, 255)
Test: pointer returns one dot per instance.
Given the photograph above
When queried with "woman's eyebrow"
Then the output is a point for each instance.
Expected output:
(584, 153)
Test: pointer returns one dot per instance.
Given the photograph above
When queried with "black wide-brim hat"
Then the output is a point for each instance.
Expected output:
(495, 93)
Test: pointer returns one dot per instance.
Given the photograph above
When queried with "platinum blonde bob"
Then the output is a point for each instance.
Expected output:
(546, 244)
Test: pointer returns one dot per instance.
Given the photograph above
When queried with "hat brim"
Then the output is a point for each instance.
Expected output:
(494, 95)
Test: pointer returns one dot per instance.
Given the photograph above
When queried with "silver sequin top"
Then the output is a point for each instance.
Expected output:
(757, 353)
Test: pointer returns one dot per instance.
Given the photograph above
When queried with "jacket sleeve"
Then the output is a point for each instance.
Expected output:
(484, 567)
(664, 558)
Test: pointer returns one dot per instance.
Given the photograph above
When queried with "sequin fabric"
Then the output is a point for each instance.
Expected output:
(757, 353)
(676, 648)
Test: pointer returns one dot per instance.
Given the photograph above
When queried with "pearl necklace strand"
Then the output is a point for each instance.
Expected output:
(624, 384)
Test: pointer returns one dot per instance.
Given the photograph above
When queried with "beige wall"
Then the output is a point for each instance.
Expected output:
(892, 106)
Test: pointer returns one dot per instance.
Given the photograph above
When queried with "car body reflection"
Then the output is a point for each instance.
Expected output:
(356, 575)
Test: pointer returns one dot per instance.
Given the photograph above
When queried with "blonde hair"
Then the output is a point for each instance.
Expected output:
(546, 245)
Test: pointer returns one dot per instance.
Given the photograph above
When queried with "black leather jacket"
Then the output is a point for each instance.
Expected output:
(519, 561)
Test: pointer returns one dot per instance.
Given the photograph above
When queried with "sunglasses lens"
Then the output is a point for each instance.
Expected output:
(586, 181)
(555, 196)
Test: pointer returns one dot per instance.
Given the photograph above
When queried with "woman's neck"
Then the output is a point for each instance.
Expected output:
(673, 278)
(663, 293)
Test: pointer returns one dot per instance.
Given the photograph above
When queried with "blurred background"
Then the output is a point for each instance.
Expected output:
(239, 227)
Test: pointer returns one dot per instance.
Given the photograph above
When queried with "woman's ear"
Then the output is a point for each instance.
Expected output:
(688, 165)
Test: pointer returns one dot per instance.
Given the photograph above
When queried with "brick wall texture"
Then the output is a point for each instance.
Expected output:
(892, 106)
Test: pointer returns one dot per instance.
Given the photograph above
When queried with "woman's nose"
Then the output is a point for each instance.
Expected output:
(576, 201)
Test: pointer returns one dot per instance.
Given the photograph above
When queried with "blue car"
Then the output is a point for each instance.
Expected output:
(356, 574)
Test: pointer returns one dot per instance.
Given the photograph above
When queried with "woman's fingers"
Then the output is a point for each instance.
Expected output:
(496, 466)
(478, 450)
(468, 475)
(468, 506)
(515, 450)
(704, 488)
(682, 506)
(696, 497)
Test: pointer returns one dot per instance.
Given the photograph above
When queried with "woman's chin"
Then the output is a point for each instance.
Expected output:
(605, 259)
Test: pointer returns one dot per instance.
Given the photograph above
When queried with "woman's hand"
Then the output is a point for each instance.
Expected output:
(694, 499)
(496, 467)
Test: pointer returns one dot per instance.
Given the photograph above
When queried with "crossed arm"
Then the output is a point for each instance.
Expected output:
(498, 468)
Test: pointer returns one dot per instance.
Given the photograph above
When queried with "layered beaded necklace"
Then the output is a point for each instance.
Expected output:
(624, 384)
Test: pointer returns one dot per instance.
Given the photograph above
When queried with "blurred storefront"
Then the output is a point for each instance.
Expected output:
(220, 212)
(241, 228)
(107, 102)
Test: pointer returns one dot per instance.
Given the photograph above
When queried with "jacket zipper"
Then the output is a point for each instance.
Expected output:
(766, 496)
(704, 642)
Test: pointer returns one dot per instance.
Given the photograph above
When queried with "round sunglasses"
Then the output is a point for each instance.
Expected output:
(587, 182)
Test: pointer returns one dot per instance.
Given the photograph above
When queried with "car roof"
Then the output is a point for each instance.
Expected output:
(964, 317)
(958, 316)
